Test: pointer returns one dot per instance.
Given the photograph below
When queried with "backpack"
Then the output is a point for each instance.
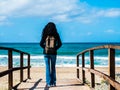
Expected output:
(50, 45)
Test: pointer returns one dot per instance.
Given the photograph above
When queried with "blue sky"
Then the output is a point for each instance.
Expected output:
(76, 20)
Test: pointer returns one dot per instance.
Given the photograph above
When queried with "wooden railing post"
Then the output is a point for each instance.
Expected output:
(77, 66)
(111, 56)
(83, 65)
(21, 66)
(92, 67)
(10, 66)
(28, 66)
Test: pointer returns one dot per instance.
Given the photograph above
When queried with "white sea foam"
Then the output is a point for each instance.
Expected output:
(66, 61)
(60, 57)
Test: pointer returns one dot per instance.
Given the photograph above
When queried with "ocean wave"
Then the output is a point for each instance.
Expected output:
(67, 61)
(61, 57)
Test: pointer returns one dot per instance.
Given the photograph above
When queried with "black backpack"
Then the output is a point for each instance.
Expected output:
(50, 45)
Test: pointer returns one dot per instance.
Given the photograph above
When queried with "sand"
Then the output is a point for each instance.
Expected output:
(64, 75)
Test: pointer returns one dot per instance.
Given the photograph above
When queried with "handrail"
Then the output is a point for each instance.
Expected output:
(111, 57)
(11, 69)
(99, 47)
(15, 50)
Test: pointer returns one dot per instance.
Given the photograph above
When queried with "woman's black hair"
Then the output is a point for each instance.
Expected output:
(49, 29)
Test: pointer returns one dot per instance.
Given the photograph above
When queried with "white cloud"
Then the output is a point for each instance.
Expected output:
(4, 21)
(61, 18)
(35, 7)
(9, 7)
(2, 18)
(113, 13)
(50, 8)
(109, 13)
(110, 31)
(60, 10)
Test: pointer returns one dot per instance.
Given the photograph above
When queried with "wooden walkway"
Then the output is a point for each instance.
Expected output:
(66, 80)
(71, 84)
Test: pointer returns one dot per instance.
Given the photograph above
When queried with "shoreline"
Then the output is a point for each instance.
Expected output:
(65, 66)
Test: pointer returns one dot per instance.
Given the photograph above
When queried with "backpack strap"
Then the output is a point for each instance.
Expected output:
(50, 42)
(50, 45)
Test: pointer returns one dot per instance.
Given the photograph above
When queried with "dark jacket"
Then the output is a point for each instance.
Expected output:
(58, 44)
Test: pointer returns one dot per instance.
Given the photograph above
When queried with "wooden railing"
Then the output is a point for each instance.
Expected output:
(11, 69)
(114, 85)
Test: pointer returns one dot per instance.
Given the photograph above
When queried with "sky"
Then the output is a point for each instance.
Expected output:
(76, 20)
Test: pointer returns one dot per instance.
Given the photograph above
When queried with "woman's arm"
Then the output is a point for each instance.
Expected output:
(59, 43)
(42, 43)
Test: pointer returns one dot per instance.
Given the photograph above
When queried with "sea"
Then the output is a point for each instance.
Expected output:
(66, 56)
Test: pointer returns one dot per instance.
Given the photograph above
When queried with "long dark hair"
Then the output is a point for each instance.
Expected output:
(49, 29)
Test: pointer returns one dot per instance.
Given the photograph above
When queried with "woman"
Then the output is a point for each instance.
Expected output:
(50, 52)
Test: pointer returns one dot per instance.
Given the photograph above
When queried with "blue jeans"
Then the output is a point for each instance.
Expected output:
(50, 61)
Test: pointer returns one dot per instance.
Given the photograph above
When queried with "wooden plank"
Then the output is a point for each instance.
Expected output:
(3, 73)
(10, 66)
(21, 66)
(83, 65)
(12, 49)
(111, 56)
(100, 47)
(77, 66)
(92, 67)
(29, 66)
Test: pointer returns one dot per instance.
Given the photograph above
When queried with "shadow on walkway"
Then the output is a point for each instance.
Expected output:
(70, 85)
(32, 85)
(40, 85)
(36, 84)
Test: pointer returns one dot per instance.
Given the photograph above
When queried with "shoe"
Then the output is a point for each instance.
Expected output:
(47, 85)
(53, 85)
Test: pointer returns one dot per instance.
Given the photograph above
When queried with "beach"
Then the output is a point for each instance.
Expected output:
(63, 73)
